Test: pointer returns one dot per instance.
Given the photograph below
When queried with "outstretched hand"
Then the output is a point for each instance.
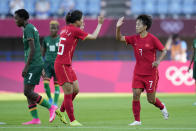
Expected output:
(100, 19)
(120, 22)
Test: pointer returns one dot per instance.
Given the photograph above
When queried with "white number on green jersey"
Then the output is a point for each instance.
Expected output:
(30, 75)
(52, 48)
(62, 47)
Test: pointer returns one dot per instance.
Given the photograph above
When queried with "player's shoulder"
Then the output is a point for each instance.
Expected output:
(30, 27)
(132, 36)
(152, 37)
(46, 38)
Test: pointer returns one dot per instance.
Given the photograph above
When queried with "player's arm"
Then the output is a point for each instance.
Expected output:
(168, 43)
(163, 54)
(118, 26)
(43, 48)
(192, 59)
(95, 34)
(30, 56)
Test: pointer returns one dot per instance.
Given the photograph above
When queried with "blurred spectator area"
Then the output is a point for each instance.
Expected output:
(110, 8)
(164, 8)
(53, 7)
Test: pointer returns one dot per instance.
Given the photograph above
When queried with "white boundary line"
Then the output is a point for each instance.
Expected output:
(113, 128)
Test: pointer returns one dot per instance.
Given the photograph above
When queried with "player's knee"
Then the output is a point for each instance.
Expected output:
(67, 88)
(136, 96)
(27, 93)
(76, 90)
(151, 101)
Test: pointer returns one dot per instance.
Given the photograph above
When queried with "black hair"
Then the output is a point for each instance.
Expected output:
(175, 36)
(146, 20)
(73, 16)
(22, 13)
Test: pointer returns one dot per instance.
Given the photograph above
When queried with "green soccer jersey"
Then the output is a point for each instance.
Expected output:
(194, 46)
(51, 46)
(30, 32)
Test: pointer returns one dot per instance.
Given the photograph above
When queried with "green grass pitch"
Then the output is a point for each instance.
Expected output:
(103, 112)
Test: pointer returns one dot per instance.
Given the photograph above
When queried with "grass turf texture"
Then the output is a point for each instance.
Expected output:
(103, 112)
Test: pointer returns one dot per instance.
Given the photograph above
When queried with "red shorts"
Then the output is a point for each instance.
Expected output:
(147, 82)
(64, 73)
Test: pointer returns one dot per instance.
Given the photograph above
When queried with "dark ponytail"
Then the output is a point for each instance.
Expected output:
(73, 16)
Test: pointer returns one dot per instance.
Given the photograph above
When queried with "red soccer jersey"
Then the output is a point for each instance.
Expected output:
(145, 52)
(68, 40)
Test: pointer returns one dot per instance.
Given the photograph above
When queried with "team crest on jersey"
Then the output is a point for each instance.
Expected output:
(147, 45)
(57, 44)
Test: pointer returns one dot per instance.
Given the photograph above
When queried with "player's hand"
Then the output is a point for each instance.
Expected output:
(24, 72)
(82, 27)
(120, 22)
(43, 73)
(100, 19)
(155, 63)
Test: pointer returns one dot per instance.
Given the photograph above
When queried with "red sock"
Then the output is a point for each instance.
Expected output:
(74, 95)
(136, 110)
(68, 105)
(62, 109)
(159, 104)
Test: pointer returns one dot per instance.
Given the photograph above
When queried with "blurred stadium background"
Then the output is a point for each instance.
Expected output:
(169, 17)
(104, 65)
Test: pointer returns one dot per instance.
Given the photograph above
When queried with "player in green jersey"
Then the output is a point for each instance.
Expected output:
(194, 66)
(33, 67)
(49, 51)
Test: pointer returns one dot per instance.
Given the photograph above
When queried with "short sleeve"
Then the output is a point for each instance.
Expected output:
(29, 33)
(158, 44)
(194, 43)
(80, 34)
(129, 39)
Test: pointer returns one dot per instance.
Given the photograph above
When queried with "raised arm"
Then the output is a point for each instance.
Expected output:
(118, 25)
(97, 30)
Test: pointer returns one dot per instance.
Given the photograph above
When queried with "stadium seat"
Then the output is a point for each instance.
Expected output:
(188, 7)
(162, 7)
(93, 7)
(149, 7)
(137, 7)
(30, 6)
(54, 6)
(175, 7)
(4, 7)
(82, 5)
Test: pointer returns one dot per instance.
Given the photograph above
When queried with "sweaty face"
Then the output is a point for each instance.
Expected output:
(19, 21)
(140, 27)
(54, 29)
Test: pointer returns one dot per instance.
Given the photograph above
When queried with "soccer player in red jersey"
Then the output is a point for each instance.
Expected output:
(66, 77)
(146, 75)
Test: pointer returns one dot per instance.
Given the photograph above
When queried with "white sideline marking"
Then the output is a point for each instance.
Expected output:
(117, 128)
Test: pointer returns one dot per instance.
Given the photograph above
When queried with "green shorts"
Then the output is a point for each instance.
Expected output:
(33, 75)
(49, 69)
(194, 70)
